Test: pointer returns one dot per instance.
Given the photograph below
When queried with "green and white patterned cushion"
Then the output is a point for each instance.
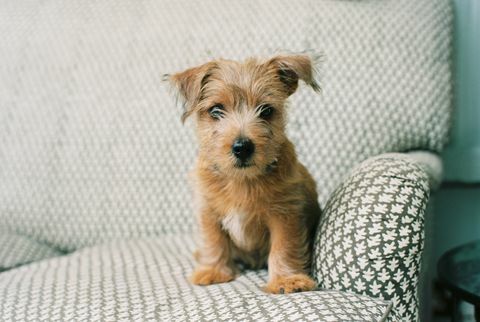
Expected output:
(141, 280)
(370, 238)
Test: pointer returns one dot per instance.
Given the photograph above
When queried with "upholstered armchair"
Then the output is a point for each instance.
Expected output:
(96, 220)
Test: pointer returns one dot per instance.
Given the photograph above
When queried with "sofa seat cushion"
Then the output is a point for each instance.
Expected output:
(147, 280)
(16, 250)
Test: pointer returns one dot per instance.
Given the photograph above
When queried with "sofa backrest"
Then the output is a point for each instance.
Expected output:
(91, 143)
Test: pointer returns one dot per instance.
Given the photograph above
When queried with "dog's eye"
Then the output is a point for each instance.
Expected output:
(266, 111)
(216, 111)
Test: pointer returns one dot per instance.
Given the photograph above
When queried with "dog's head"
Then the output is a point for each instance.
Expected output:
(240, 108)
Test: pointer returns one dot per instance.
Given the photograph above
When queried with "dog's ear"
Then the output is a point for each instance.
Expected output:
(188, 86)
(293, 67)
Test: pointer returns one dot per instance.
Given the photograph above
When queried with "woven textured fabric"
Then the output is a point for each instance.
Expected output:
(91, 143)
(16, 250)
(143, 280)
(370, 238)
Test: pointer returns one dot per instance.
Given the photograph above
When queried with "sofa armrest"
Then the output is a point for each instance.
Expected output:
(428, 161)
(370, 237)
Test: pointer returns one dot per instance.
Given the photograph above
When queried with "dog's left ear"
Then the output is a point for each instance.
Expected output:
(188, 86)
(293, 67)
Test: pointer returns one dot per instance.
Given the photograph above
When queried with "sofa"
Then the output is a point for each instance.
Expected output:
(96, 218)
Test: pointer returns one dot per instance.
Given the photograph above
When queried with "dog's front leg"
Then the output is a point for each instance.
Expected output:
(288, 257)
(215, 265)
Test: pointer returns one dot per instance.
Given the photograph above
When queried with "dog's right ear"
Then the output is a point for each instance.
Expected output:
(294, 67)
(188, 86)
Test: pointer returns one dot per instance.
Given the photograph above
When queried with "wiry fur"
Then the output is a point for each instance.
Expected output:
(264, 214)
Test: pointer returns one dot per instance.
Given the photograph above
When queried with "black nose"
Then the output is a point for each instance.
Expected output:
(243, 149)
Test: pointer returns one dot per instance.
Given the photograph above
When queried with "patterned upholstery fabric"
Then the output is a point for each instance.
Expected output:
(16, 250)
(371, 235)
(92, 148)
(145, 279)
(91, 143)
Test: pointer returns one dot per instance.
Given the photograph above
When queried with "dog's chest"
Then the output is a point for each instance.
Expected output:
(239, 230)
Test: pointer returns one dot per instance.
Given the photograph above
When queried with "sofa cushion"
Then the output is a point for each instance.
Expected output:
(16, 250)
(91, 143)
(371, 234)
(142, 280)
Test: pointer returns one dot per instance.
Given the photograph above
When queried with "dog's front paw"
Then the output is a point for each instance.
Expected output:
(211, 275)
(290, 284)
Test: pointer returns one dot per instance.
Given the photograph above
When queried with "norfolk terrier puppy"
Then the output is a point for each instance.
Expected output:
(257, 202)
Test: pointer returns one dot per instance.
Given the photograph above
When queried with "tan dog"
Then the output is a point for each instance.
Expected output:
(258, 203)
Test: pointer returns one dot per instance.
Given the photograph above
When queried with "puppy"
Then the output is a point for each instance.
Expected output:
(257, 202)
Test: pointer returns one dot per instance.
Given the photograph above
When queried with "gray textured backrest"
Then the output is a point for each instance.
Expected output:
(91, 143)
